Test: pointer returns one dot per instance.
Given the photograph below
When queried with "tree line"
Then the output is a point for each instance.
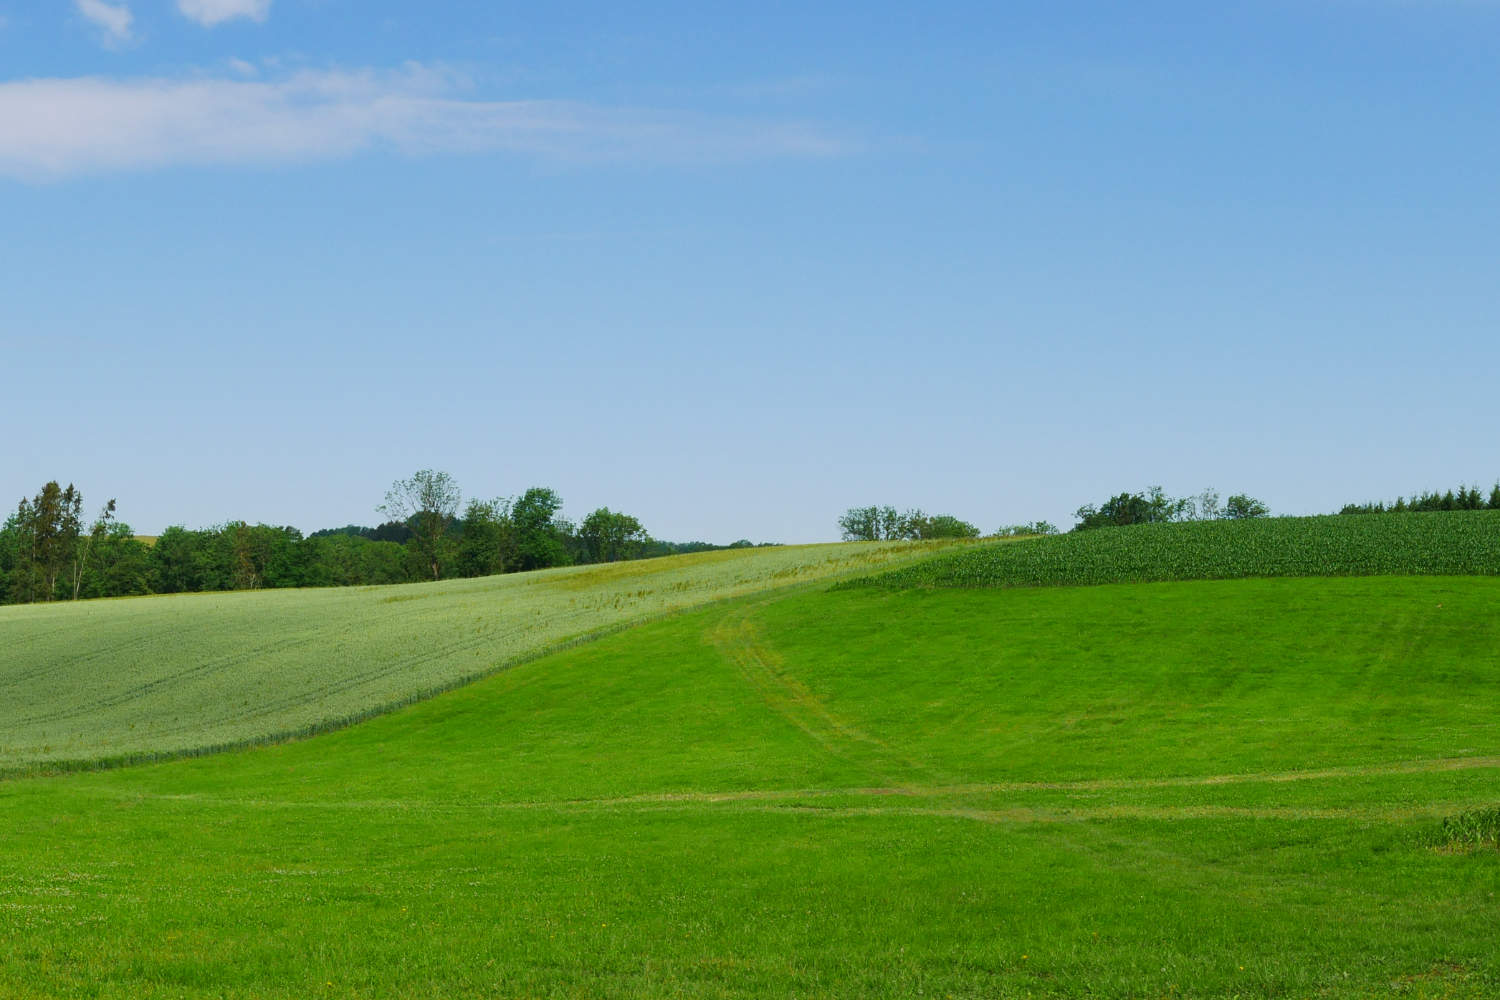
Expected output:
(1463, 498)
(1153, 506)
(49, 552)
(874, 524)
(1144, 507)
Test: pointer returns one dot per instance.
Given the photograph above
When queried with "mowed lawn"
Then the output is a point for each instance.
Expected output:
(1211, 789)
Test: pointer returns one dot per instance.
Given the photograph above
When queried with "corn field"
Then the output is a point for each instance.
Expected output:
(1459, 543)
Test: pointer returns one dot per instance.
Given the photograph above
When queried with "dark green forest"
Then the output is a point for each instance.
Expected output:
(51, 551)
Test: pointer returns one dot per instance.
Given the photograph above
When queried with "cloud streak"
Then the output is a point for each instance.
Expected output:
(211, 12)
(59, 127)
(112, 20)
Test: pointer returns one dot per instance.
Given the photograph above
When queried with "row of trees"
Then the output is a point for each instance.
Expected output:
(1463, 498)
(44, 565)
(873, 524)
(1146, 507)
(1154, 506)
(1150, 506)
(1026, 530)
(47, 552)
(506, 535)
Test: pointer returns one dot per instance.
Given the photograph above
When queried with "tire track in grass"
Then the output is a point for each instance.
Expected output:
(206, 668)
(61, 665)
(1024, 815)
(798, 803)
(740, 640)
(905, 792)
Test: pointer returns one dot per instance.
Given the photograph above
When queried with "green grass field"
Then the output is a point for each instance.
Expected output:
(1204, 789)
(130, 679)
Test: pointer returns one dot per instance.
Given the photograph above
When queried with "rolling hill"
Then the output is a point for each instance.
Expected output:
(97, 682)
(1208, 788)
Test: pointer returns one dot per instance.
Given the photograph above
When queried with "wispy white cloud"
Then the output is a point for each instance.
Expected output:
(113, 20)
(51, 128)
(211, 12)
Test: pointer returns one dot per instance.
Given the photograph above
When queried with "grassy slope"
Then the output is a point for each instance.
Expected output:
(1207, 789)
(81, 682)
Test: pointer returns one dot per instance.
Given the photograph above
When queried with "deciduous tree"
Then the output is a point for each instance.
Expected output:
(872, 524)
(1151, 507)
(82, 552)
(609, 536)
(538, 540)
(487, 544)
(1241, 506)
(427, 503)
(923, 526)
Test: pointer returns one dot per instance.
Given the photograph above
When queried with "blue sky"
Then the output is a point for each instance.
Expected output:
(736, 272)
